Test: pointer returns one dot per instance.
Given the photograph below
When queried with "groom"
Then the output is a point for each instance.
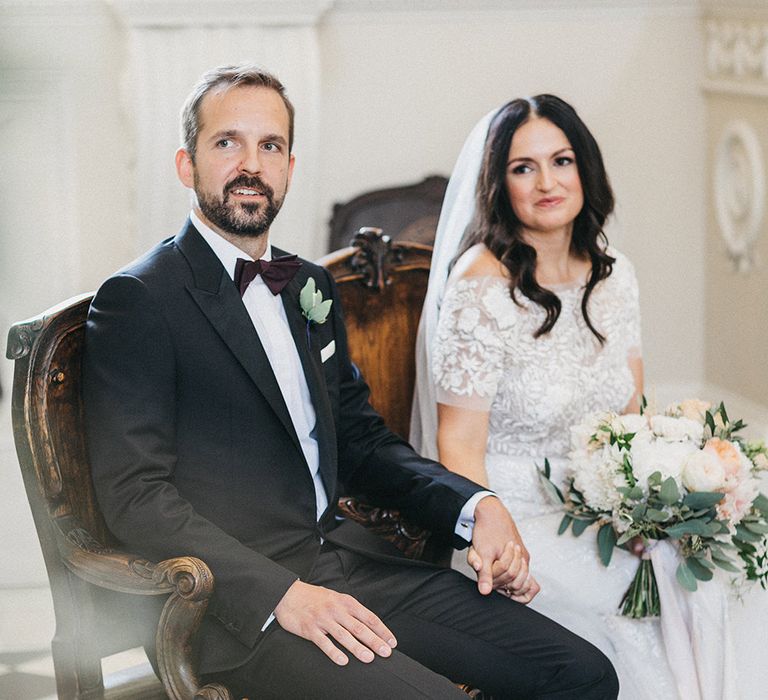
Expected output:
(221, 424)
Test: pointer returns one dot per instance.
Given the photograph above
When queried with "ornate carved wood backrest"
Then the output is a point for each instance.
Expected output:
(382, 285)
(407, 213)
(48, 413)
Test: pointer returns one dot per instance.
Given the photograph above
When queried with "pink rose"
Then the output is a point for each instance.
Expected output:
(729, 457)
(737, 502)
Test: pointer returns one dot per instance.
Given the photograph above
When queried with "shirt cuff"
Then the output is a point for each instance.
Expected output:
(466, 522)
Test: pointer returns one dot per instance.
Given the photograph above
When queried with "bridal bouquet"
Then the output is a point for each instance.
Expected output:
(683, 475)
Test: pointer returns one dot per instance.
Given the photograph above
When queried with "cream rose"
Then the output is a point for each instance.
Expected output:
(677, 429)
(703, 471)
(693, 409)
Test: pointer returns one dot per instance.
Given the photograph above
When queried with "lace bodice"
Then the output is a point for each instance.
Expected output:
(486, 358)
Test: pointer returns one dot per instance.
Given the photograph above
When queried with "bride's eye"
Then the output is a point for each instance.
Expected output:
(521, 169)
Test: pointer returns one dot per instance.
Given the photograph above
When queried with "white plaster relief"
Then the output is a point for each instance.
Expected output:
(737, 50)
(739, 184)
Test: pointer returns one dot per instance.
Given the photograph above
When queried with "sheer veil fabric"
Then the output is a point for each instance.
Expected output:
(458, 209)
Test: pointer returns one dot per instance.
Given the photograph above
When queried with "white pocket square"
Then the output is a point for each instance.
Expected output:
(328, 351)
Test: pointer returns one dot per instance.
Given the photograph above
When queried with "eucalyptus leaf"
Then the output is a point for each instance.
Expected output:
(638, 512)
(725, 563)
(606, 541)
(635, 493)
(657, 516)
(743, 534)
(697, 500)
(685, 577)
(700, 572)
(669, 493)
(701, 557)
(564, 523)
(761, 503)
(688, 527)
(758, 528)
(554, 493)
(580, 525)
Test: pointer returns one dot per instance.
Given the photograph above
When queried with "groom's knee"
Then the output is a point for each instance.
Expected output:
(589, 675)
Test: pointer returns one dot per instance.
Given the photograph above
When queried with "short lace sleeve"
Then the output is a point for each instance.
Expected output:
(468, 348)
(629, 295)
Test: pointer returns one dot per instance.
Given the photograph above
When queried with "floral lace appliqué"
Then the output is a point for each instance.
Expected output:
(485, 357)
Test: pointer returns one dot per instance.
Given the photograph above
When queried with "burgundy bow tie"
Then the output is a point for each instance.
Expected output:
(275, 273)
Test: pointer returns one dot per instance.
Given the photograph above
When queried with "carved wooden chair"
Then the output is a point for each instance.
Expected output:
(406, 213)
(100, 593)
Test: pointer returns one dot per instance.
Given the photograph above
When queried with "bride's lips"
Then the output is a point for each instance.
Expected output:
(548, 202)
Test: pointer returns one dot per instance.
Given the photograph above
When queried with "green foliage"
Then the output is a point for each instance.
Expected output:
(606, 541)
(685, 576)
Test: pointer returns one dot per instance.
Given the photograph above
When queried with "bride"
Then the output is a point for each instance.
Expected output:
(531, 322)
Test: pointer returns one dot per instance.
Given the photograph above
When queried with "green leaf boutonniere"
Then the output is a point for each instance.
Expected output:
(313, 308)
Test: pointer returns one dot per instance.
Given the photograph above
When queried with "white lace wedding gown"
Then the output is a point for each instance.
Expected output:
(486, 358)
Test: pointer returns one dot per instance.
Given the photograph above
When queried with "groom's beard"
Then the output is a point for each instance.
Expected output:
(240, 219)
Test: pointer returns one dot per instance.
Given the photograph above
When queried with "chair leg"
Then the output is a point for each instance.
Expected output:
(78, 674)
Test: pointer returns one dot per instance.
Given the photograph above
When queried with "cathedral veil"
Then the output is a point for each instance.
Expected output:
(456, 213)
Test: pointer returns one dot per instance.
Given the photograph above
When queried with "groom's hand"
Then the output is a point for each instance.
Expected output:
(498, 554)
(319, 614)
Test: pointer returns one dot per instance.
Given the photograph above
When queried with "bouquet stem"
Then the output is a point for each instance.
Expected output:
(642, 596)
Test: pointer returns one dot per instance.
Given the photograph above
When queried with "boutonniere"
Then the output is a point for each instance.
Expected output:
(313, 307)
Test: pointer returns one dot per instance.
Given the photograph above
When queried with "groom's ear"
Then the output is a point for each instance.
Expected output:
(185, 168)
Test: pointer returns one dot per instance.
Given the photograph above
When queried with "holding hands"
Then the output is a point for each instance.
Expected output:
(498, 555)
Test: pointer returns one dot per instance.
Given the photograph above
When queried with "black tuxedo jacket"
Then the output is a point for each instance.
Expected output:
(193, 451)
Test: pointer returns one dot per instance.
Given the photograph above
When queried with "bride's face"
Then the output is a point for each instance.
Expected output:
(542, 178)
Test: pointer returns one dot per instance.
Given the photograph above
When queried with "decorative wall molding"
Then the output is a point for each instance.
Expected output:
(510, 5)
(739, 184)
(53, 13)
(737, 56)
(219, 13)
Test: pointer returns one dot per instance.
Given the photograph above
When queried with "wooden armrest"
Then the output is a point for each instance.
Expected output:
(387, 523)
(187, 581)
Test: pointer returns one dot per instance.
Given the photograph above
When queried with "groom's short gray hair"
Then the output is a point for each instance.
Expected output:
(227, 77)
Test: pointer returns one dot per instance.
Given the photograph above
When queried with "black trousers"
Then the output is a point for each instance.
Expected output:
(447, 633)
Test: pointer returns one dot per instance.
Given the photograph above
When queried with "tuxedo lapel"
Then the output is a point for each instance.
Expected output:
(309, 353)
(218, 299)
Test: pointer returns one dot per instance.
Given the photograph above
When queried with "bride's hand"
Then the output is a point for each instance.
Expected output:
(498, 554)
(637, 546)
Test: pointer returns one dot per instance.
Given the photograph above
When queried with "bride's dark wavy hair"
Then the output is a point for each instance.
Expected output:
(495, 224)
